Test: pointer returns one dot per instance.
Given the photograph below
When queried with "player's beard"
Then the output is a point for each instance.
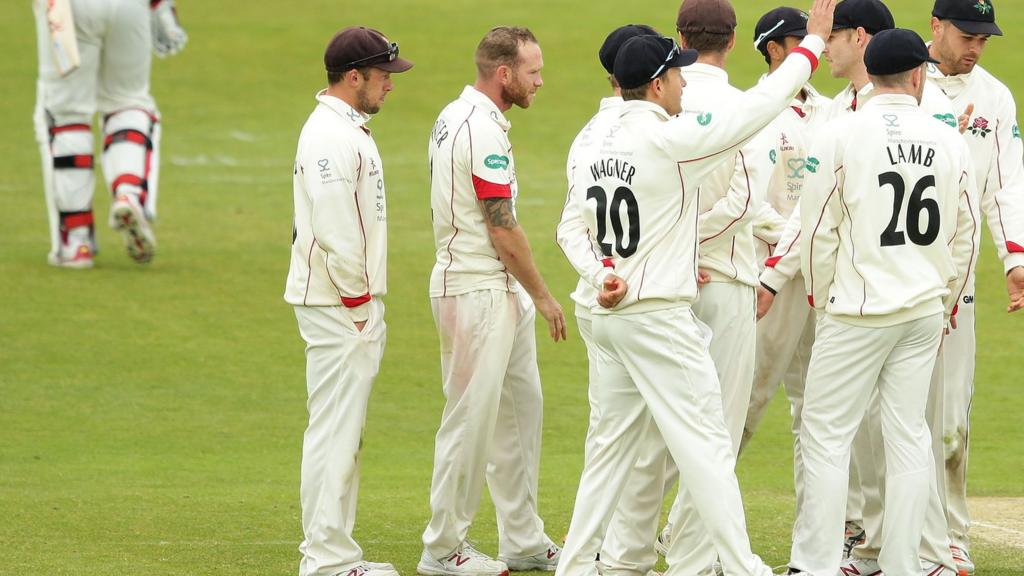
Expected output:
(517, 93)
(952, 60)
(366, 105)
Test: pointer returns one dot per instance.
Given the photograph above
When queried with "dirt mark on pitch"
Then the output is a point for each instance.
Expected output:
(998, 520)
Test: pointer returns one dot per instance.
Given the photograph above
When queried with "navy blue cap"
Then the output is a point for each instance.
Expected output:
(871, 15)
(644, 58)
(972, 17)
(779, 23)
(895, 51)
(617, 38)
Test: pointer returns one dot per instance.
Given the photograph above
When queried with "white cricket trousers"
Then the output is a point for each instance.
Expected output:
(491, 425)
(784, 339)
(628, 547)
(957, 374)
(341, 364)
(848, 364)
(654, 370)
(115, 49)
(729, 309)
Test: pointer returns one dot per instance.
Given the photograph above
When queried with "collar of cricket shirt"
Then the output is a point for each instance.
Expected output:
(699, 69)
(343, 109)
(951, 85)
(892, 100)
(631, 107)
(481, 100)
(856, 99)
(610, 102)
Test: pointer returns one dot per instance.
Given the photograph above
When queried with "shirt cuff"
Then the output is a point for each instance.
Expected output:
(1013, 260)
(772, 279)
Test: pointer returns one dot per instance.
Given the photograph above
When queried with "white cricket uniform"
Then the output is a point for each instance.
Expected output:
(993, 136)
(628, 546)
(641, 209)
(491, 425)
(113, 79)
(337, 276)
(866, 480)
(730, 199)
(785, 334)
(883, 322)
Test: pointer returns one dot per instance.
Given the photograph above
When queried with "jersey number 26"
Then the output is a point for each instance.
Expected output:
(917, 204)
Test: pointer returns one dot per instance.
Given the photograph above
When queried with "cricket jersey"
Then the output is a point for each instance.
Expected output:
(470, 160)
(572, 233)
(642, 175)
(993, 136)
(339, 239)
(785, 155)
(784, 263)
(888, 215)
(732, 194)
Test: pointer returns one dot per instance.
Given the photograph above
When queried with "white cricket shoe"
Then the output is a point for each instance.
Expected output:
(934, 569)
(664, 540)
(854, 537)
(370, 569)
(127, 217)
(76, 253)
(859, 567)
(466, 561)
(964, 565)
(546, 560)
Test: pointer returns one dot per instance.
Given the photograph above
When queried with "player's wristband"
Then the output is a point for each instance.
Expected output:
(769, 288)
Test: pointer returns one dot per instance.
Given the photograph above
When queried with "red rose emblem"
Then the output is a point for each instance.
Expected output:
(980, 123)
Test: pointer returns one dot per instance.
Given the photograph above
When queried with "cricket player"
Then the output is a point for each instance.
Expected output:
(885, 275)
(484, 292)
(960, 31)
(336, 282)
(112, 40)
(730, 200)
(785, 334)
(641, 209)
(857, 21)
(628, 545)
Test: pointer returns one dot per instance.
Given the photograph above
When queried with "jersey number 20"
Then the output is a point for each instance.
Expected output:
(625, 242)
(917, 204)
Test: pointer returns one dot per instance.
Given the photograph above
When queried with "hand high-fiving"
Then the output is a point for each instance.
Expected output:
(819, 21)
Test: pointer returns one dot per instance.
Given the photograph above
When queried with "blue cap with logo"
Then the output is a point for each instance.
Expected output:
(970, 16)
(644, 58)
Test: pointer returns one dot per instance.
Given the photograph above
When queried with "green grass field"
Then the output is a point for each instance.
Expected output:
(151, 417)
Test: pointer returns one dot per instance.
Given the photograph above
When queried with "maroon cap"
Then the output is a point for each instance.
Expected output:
(714, 16)
(358, 46)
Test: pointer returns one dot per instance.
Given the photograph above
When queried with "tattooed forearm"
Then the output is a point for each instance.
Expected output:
(498, 212)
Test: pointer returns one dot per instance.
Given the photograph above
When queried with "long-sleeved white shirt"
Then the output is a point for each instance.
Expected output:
(470, 159)
(642, 177)
(784, 264)
(572, 234)
(339, 242)
(994, 139)
(786, 154)
(732, 194)
(888, 215)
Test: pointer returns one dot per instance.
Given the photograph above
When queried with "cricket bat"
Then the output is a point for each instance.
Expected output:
(62, 35)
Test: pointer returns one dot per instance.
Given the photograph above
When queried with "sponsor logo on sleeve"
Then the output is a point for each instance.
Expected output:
(980, 127)
(496, 162)
(1016, 132)
(704, 118)
(947, 118)
(812, 164)
(772, 155)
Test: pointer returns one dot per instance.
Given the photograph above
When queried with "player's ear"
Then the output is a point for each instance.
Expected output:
(504, 73)
(732, 42)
